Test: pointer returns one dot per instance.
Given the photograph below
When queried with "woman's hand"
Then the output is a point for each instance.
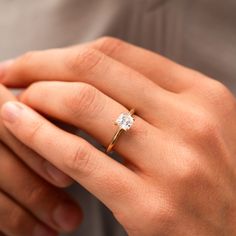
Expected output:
(29, 204)
(179, 170)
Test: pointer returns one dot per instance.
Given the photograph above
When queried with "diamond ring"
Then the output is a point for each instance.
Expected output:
(124, 123)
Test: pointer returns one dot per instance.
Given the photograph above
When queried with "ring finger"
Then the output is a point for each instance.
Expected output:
(89, 109)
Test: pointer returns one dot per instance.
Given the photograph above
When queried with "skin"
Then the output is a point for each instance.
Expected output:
(30, 201)
(178, 176)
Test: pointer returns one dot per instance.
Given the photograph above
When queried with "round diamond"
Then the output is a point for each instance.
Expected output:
(125, 121)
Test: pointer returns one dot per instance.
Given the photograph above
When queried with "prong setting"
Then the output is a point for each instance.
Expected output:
(125, 121)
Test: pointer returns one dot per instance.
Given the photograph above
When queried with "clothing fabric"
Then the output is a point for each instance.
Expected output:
(200, 34)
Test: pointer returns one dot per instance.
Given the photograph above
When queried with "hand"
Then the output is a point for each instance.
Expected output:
(178, 175)
(29, 204)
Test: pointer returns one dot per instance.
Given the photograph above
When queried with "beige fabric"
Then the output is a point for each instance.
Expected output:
(197, 33)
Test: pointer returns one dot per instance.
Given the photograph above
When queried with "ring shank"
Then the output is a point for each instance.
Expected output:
(117, 134)
(114, 139)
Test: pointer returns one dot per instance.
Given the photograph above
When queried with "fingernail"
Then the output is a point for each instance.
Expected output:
(57, 175)
(4, 66)
(43, 231)
(11, 111)
(67, 216)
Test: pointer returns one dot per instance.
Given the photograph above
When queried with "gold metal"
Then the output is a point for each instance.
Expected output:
(117, 134)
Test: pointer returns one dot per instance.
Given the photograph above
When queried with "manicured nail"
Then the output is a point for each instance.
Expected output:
(67, 216)
(57, 175)
(4, 66)
(11, 111)
(43, 231)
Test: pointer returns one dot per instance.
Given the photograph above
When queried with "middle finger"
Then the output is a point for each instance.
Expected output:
(118, 81)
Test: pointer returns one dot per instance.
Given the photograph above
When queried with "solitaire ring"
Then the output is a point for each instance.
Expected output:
(124, 123)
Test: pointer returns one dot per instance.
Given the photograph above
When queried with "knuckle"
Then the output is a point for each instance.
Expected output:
(218, 88)
(217, 93)
(154, 215)
(201, 125)
(80, 160)
(109, 45)
(189, 171)
(83, 61)
(83, 101)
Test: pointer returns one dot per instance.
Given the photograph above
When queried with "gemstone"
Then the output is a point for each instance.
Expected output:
(125, 121)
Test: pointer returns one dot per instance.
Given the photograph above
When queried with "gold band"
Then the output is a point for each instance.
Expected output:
(120, 129)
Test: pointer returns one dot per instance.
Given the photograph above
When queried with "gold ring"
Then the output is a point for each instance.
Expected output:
(124, 123)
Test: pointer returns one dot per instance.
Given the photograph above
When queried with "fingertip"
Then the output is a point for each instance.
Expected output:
(10, 111)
